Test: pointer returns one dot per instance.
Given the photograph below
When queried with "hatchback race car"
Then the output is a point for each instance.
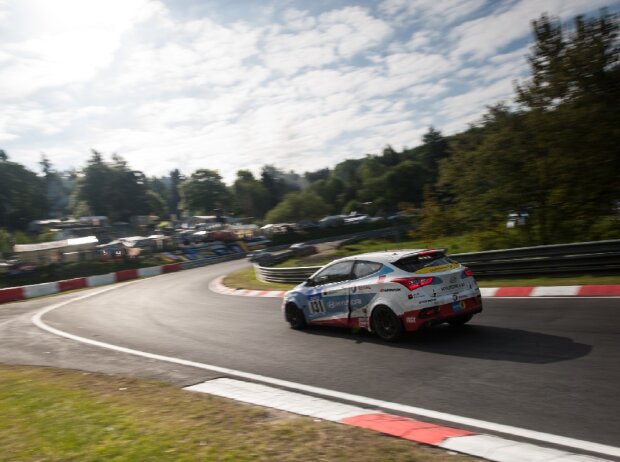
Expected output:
(388, 293)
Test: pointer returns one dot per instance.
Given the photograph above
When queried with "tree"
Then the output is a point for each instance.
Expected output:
(572, 128)
(434, 148)
(175, 195)
(250, 197)
(203, 192)
(112, 189)
(277, 183)
(56, 190)
(297, 206)
(22, 196)
(3, 156)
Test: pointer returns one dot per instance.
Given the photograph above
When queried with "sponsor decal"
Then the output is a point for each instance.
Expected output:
(380, 279)
(453, 287)
(437, 269)
(410, 319)
(426, 301)
(459, 306)
(332, 304)
(363, 322)
(390, 290)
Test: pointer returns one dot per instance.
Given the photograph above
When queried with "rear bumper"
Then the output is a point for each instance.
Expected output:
(417, 319)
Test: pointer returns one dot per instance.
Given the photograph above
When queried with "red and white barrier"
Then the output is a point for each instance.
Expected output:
(13, 294)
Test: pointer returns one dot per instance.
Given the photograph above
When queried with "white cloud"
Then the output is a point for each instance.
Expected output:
(485, 36)
(303, 92)
(67, 41)
(433, 11)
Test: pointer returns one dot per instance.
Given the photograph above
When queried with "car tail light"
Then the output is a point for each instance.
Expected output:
(413, 283)
(467, 272)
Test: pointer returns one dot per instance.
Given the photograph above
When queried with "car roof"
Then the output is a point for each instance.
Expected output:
(389, 256)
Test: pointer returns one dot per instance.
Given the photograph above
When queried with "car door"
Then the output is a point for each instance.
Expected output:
(329, 301)
(361, 292)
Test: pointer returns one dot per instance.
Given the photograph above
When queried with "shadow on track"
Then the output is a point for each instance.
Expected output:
(472, 341)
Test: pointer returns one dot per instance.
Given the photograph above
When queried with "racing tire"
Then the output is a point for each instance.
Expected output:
(295, 317)
(386, 324)
(460, 320)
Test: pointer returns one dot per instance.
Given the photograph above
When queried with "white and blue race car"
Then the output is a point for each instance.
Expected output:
(388, 293)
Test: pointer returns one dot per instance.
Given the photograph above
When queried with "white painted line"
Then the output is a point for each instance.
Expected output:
(503, 450)
(277, 398)
(443, 416)
(567, 291)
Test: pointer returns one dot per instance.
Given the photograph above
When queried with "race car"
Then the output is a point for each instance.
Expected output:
(388, 293)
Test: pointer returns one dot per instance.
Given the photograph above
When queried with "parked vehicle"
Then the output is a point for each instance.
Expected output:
(388, 293)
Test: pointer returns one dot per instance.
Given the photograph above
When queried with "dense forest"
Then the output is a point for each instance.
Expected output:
(550, 154)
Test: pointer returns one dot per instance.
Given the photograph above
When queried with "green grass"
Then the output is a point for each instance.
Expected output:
(59, 415)
(246, 279)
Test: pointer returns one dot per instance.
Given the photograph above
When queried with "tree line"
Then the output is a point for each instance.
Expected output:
(550, 154)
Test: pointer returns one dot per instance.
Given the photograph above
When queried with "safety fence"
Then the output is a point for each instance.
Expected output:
(600, 257)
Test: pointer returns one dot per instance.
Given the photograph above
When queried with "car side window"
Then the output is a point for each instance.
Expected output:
(365, 268)
(337, 272)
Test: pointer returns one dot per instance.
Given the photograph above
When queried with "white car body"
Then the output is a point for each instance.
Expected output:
(407, 289)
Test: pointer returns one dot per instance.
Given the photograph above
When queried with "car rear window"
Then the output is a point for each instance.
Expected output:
(417, 262)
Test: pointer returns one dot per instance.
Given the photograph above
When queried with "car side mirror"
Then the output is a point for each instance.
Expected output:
(309, 282)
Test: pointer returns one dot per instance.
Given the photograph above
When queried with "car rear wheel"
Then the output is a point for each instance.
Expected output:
(460, 320)
(295, 317)
(386, 324)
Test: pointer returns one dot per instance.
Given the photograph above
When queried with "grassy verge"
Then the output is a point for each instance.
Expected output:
(246, 279)
(53, 415)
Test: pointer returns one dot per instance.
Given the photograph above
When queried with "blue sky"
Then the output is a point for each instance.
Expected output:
(237, 84)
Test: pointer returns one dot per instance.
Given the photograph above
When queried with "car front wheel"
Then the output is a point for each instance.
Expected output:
(295, 317)
(386, 324)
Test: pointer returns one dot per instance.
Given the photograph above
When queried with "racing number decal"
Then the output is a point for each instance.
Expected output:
(316, 305)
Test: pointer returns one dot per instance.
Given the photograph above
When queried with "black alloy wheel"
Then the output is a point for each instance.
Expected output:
(295, 317)
(386, 324)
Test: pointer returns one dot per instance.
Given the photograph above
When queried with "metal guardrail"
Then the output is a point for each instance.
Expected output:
(600, 257)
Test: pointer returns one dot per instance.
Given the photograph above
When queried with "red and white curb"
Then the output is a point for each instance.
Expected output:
(481, 445)
(487, 292)
(219, 288)
(12, 294)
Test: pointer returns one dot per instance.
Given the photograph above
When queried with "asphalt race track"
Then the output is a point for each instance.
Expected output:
(550, 365)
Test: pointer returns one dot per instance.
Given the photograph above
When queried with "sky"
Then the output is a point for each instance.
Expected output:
(232, 84)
